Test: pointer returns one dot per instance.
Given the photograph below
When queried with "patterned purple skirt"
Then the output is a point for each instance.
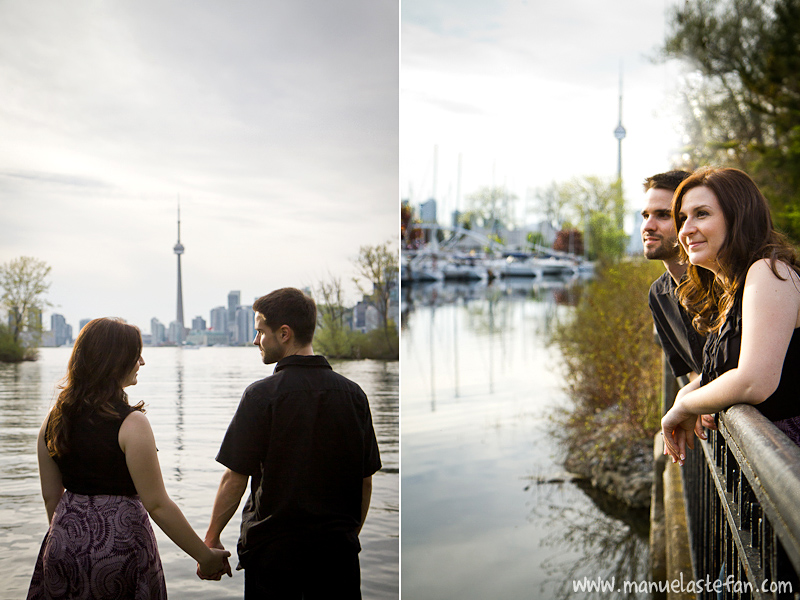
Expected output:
(99, 547)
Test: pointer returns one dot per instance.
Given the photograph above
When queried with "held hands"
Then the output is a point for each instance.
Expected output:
(216, 565)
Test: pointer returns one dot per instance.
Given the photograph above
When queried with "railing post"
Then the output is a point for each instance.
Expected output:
(670, 555)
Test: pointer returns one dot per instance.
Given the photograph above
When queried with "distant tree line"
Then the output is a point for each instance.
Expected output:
(24, 284)
(377, 276)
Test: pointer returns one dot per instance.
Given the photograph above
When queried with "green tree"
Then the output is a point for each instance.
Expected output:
(333, 333)
(535, 238)
(24, 283)
(596, 205)
(553, 204)
(490, 208)
(378, 267)
(742, 97)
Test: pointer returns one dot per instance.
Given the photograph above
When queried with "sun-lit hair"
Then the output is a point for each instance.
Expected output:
(665, 181)
(289, 306)
(749, 237)
(104, 354)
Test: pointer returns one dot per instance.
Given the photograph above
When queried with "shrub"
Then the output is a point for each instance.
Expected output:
(334, 342)
(10, 351)
(373, 344)
(613, 361)
(345, 343)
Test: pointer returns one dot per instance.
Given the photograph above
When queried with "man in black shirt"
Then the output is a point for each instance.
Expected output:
(682, 345)
(304, 438)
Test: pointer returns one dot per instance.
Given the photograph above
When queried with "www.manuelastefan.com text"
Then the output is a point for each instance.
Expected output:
(693, 586)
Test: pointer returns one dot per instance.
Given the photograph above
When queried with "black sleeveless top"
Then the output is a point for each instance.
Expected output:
(721, 354)
(95, 463)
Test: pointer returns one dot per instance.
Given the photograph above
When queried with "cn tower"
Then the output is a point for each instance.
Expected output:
(179, 250)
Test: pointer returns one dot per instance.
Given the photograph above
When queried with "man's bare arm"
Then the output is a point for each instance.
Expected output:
(229, 495)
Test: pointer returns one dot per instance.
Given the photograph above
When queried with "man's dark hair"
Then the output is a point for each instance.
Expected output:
(666, 181)
(289, 306)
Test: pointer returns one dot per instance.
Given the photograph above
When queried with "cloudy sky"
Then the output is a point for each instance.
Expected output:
(274, 123)
(527, 92)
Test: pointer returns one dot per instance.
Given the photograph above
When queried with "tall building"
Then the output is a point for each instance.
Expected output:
(158, 333)
(219, 319)
(245, 325)
(180, 332)
(427, 211)
(83, 323)
(62, 332)
(234, 300)
(198, 324)
(176, 334)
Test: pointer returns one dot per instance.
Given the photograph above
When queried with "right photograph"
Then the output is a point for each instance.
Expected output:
(600, 299)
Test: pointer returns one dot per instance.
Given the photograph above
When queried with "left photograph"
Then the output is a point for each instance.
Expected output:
(199, 376)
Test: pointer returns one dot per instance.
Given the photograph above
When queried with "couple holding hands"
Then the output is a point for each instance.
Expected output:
(302, 438)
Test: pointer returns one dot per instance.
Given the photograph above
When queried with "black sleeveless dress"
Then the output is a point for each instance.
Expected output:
(721, 354)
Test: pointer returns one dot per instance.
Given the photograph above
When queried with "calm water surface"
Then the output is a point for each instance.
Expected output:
(191, 396)
(478, 520)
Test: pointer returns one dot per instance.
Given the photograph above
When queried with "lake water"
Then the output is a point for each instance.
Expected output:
(191, 396)
(479, 385)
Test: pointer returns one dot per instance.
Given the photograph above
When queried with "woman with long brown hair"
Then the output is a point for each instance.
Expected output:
(100, 478)
(743, 290)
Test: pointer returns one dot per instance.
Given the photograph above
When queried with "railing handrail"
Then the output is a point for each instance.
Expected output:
(771, 462)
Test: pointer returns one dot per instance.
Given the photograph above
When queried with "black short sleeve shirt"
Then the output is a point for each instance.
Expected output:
(682, 345)
(305, 436)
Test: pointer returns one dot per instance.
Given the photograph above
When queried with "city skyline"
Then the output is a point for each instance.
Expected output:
(61, 330)
(274, 123)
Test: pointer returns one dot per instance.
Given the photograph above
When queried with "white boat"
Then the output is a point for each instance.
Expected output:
(516, 266)
(422, 267)
(464, 268)
(552, 267)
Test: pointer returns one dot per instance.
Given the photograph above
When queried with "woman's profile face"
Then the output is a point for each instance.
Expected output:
(131, 377)
(703, 229)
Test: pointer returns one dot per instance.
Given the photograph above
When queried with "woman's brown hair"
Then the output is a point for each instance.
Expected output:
(749, 238)
(104, 354)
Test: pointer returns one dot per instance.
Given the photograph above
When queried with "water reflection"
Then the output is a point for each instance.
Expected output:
(611, 540)
(479, 380)
(179, 411)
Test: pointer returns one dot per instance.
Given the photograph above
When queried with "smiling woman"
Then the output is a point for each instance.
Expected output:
(743, 290)
(703, 228)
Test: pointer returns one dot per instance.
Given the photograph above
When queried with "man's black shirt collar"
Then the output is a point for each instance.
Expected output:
(300, 360)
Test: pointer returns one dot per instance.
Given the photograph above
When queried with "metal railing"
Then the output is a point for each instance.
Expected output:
(742, 492)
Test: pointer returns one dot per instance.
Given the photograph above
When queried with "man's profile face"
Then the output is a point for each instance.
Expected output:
(267, 341)
(658, 231)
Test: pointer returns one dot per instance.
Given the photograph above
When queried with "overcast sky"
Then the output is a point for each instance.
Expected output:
(275, 123)
(527, 92)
